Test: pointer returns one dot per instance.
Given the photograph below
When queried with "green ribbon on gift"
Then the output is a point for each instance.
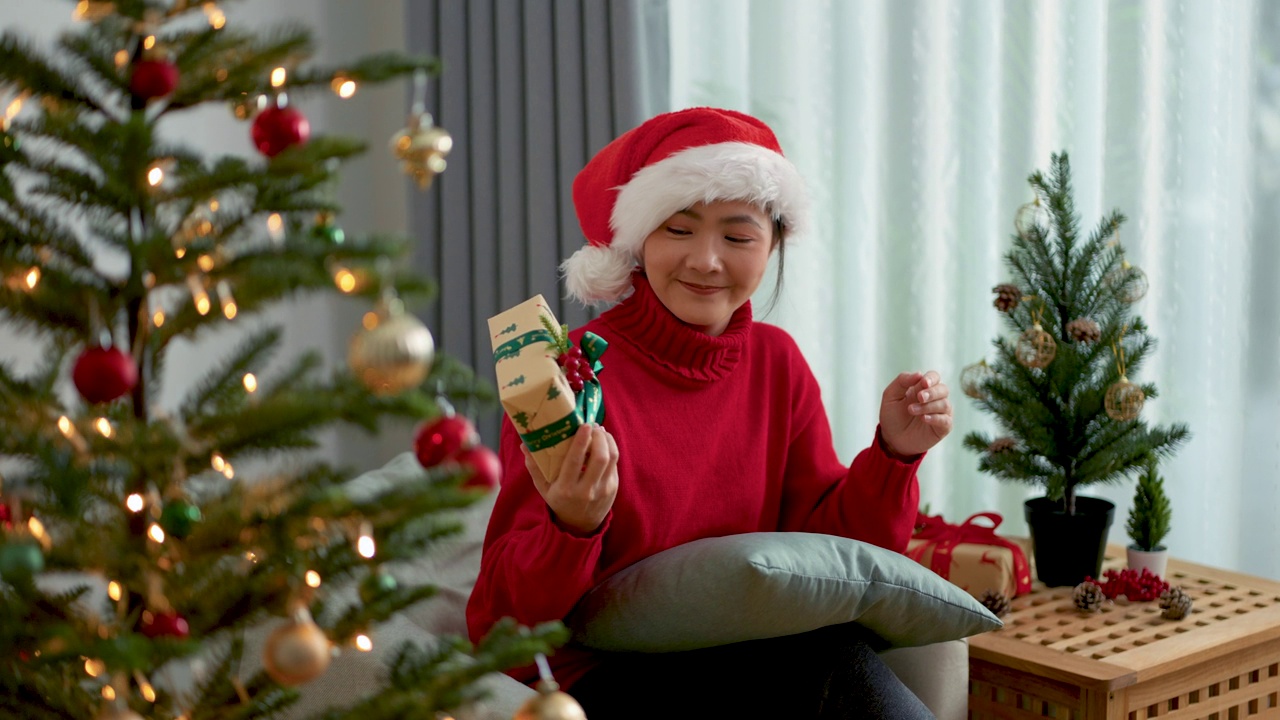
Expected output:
(512, 348)
(588, 402)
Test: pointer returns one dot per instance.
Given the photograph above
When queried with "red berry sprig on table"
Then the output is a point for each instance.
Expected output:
(577, 370)
(1137, 587)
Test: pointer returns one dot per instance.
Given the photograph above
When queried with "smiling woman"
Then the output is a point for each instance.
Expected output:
(705, 261)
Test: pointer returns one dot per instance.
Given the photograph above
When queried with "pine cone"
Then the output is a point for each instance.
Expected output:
(1007, 297)
(1088, 596)
(1084, 330)
(1001, 444)
(1175, 603)
(996, 602)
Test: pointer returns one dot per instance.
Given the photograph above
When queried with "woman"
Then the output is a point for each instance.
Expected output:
(714, 427)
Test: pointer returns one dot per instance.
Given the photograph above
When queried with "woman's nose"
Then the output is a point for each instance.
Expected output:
(704, 253)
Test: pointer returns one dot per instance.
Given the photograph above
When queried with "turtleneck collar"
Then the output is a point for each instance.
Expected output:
(645, 323)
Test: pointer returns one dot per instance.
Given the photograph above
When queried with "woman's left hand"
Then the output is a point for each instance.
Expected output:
(914, 413)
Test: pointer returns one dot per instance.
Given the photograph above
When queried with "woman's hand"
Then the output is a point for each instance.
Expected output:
(583, 493)
(914, 413)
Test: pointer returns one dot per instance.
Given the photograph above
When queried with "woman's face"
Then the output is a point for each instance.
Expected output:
(705, 261)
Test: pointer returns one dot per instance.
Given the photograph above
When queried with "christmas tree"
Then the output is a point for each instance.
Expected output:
(1068, 413)
(205, 519)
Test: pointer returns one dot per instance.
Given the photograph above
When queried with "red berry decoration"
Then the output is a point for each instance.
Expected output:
(483, 463)
(164, 624)
(1143, 587)
(104, 374)
(440, 439)
(153, 79)
(277, 128)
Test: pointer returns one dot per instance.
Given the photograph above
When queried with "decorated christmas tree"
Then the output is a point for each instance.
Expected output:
(1068, 413)
(174, 530)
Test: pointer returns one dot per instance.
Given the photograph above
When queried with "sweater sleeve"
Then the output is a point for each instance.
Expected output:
(874, 499)
(531, 569)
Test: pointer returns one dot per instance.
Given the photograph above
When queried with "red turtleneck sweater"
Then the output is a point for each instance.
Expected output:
(716, 436)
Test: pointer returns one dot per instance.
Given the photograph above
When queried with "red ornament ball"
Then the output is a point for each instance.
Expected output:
(277, 128)
(164, 624)
(441, 439)
(483, 464)
(153, 79)
(104, 374)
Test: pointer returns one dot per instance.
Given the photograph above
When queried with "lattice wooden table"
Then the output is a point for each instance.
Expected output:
(1126, 662)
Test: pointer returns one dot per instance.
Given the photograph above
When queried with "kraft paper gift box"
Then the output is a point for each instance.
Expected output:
(971, 555)
(532, 386)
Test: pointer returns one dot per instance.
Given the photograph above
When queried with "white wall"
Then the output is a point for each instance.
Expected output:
(373, 192)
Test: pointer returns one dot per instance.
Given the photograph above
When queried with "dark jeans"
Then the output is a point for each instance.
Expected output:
(829, 673)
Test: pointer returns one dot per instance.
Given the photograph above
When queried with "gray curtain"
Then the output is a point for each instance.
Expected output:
(530, 90)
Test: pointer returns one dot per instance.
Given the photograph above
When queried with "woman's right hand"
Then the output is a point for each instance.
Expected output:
(583, 493)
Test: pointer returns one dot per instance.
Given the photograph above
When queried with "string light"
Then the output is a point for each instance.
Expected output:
(218, 462)
(15, 106)
(313, 579)
(94, 668)
(370, 320)
(157, 318)
(250, 383)
(135, 503)
(149, 42)
(155, 532)
(251, 556)
(155, 176)
(103, 426)
(108, 692)
(32, 278)
(345, 280)
(205, 262)
(229, 307)
(365, 545)
(215, 15)
(36, 528)
(344, 86)
(278, 77)
(275, 226)
(68, 430)
(363, 643)
(198, 294)
(221, 75)
(144, 687)
(122, 58)
(114, 591)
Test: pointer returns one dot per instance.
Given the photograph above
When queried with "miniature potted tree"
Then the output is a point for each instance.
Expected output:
(1148, 523)
(1069, 416)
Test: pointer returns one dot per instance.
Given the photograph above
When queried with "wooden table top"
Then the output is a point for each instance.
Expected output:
(1130, 642)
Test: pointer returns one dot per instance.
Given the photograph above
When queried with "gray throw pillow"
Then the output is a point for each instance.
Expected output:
(722, 590)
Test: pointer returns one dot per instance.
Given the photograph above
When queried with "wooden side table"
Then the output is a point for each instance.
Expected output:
(1126, 662)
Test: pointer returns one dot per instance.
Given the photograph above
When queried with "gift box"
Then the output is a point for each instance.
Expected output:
(971, 555)
(546, 387)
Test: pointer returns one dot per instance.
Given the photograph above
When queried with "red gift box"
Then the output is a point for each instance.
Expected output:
(971, 555)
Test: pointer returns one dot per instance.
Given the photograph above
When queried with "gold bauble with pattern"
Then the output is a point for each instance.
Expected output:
(1124, 400)
(421, 148)
(973, 379)
(394, 352)
(1036, 348)
(298, 651)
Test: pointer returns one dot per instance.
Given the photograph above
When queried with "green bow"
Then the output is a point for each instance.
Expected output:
(588, 402)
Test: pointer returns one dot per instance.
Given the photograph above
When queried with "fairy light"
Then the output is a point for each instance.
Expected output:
(157, 318)
(221, 75)
(278, 77)
(228, 301)
(251, 556)
(250, 383)
(344, 86)
(114, 591)
(363, 643)
(144, 687)
(228, 472)
(313, 579)
(275, 226)
(122, 58)
(217, 19)
(135, 503)
(198, 294)
(218, 462)
(103, 426)
(36, 528)
(345, 280)
(205, 262)
(94, 668)
(370, 320)
(149, 42)
(15, 106)
(32, 278)
(180, 252)
(108, 692)
(156, 533)
(365, 545)
(155, 176)
(68, 430)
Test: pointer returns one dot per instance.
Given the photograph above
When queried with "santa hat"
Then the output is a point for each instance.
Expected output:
(665, 165)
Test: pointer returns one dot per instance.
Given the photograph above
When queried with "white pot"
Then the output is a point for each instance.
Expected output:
(1154, 560)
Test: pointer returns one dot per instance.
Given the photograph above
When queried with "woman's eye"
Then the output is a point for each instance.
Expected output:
(677, 231)
(734, 239)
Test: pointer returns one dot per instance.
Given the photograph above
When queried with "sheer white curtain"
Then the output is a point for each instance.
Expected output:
(917, 122)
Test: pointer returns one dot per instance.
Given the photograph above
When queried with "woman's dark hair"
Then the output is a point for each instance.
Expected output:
(782, 257)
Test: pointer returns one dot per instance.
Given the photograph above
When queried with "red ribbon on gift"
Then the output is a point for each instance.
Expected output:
(943, 537)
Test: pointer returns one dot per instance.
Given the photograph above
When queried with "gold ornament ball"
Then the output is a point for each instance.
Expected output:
(1124, 400)
(1036, 348)
(1029, 216)
(393, 356)
(553, 705)
(974, 377)
(297, 652)
(421, 147)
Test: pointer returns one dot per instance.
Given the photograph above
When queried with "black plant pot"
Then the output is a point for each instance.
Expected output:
(1068, 548)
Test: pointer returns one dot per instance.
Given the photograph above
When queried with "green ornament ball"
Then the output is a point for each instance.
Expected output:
(20, 560)
(376, 585)
(179, 518)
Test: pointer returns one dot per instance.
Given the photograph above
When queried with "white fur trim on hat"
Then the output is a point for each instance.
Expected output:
(737, 171)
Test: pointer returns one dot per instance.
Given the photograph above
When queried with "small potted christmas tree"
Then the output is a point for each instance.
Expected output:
(1148, 523)
(1068, 414)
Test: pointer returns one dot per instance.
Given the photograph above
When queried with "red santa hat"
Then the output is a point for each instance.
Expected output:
(665, 165)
